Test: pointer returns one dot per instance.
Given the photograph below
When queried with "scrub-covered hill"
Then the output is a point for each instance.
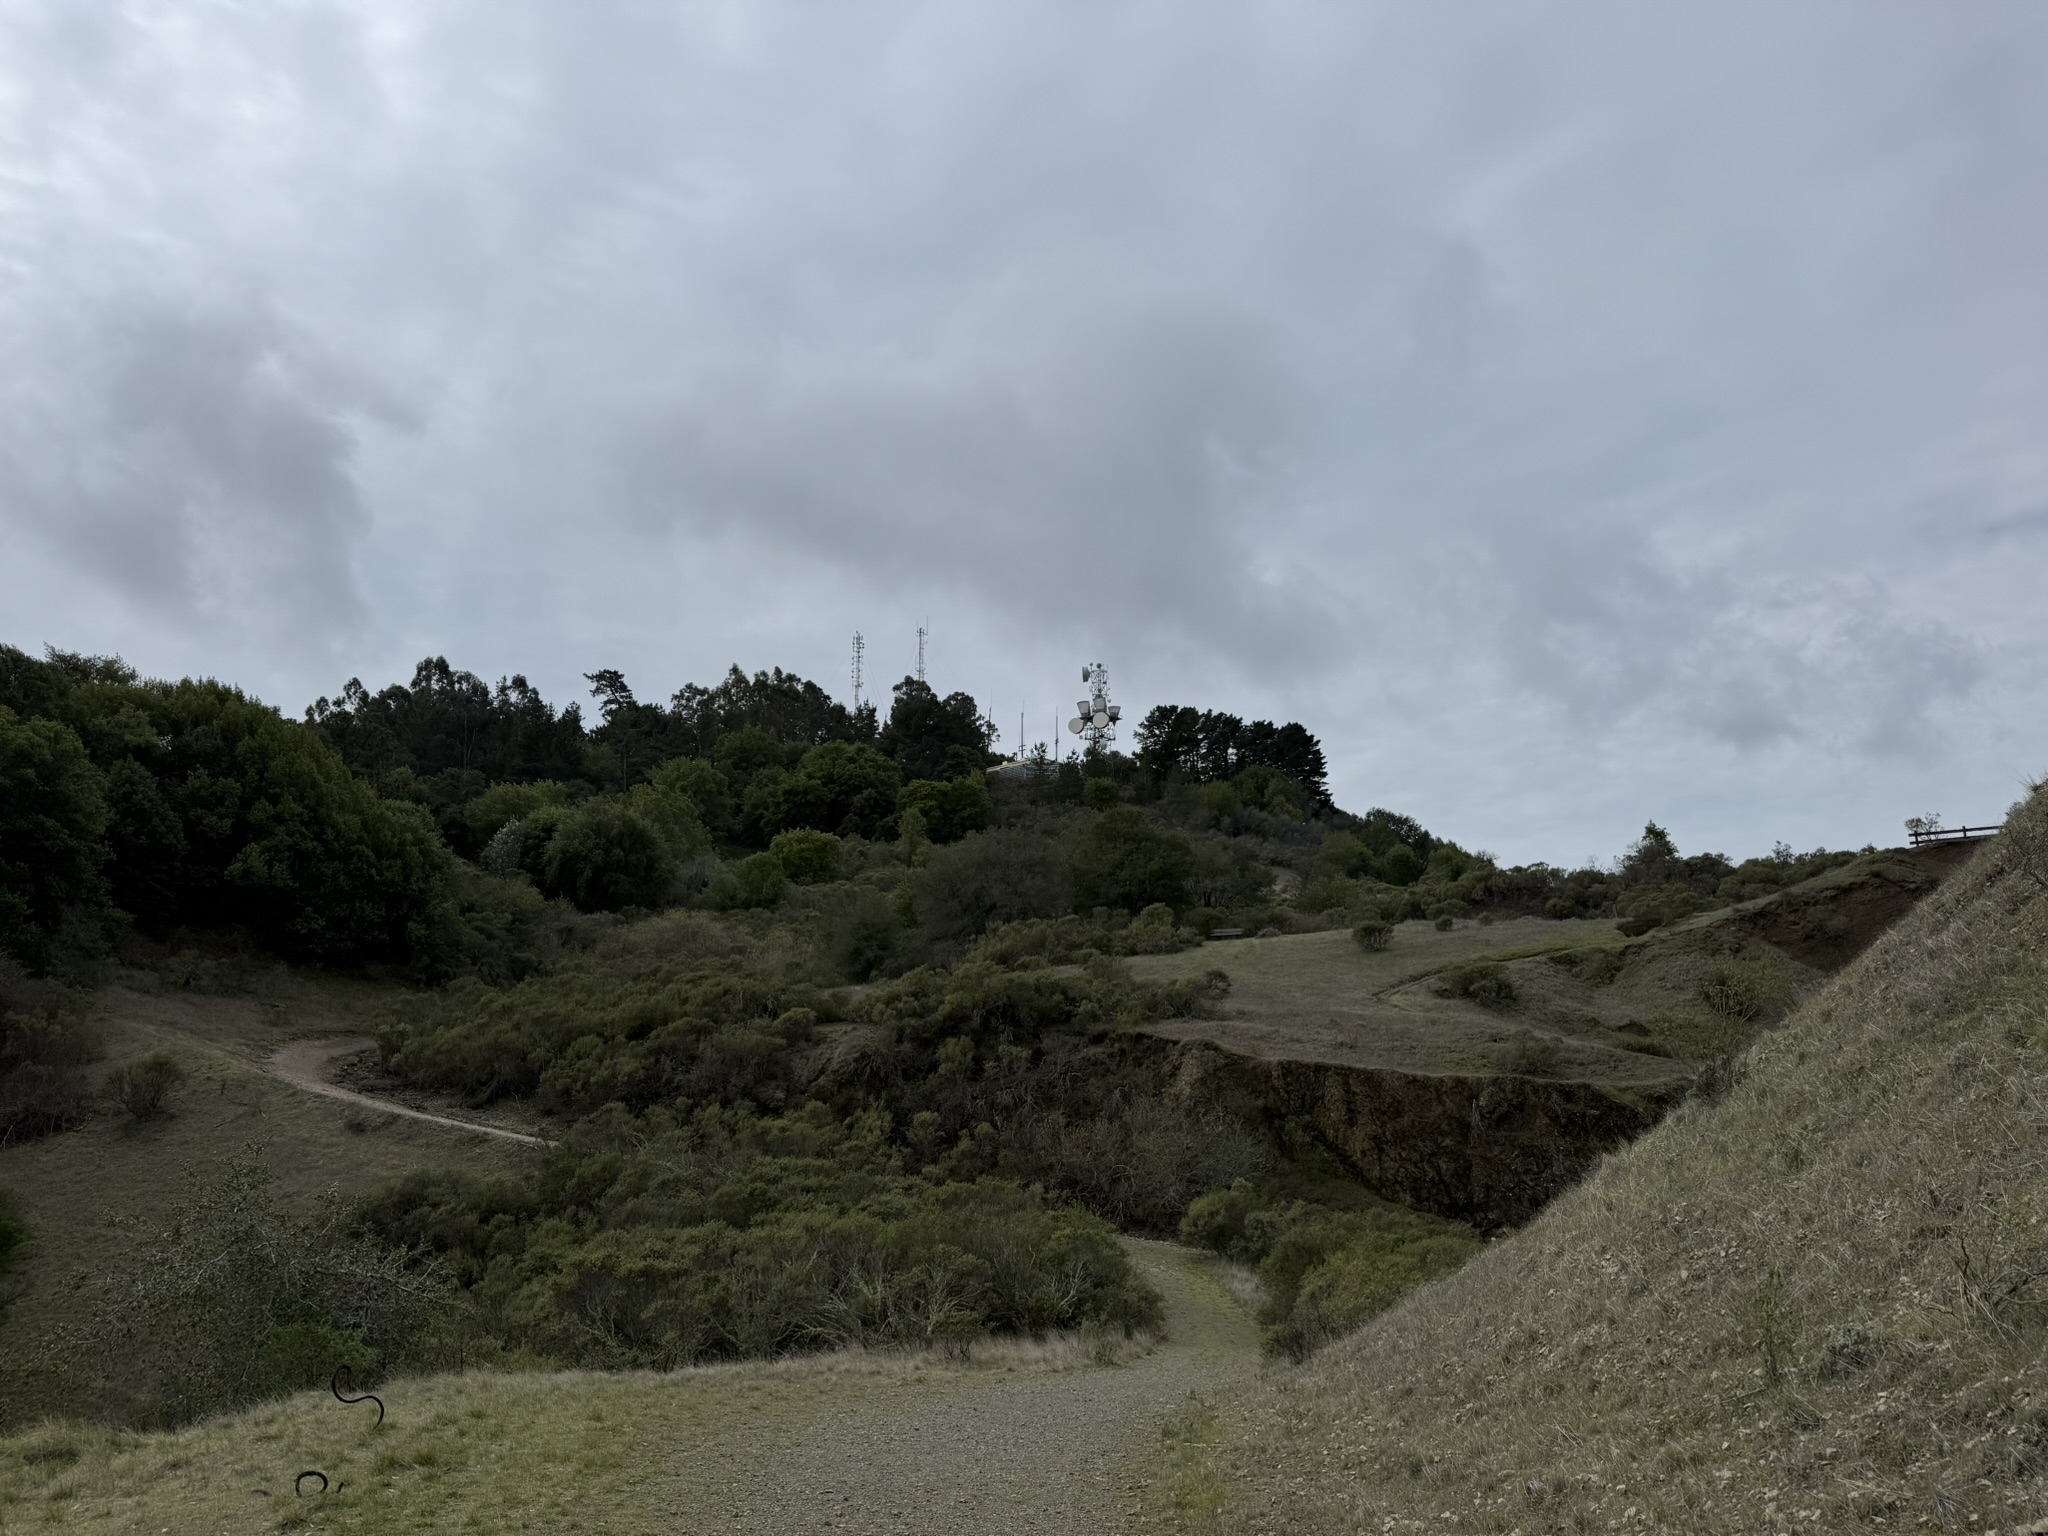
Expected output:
(1815, 1301)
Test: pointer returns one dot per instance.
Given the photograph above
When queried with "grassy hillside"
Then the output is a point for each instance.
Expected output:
(94, 1200)
(1816, 1302)
(1582, 1002)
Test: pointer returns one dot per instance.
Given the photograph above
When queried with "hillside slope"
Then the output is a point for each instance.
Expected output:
(94, 1199)
(1482, 1105)
(1817, 1302)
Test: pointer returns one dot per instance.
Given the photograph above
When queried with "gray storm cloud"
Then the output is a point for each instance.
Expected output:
(195, 456)
(1501, 393)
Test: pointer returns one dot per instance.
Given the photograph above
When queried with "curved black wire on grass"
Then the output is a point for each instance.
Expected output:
(299, 1482)
(367, 1397)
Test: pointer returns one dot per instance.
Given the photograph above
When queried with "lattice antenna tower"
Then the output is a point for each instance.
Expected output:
(860, 651)
(1096, 722)
(921, 633)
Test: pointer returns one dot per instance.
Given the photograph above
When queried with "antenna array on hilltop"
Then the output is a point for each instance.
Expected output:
(860, 650)
(921, 633)
(1096, 722)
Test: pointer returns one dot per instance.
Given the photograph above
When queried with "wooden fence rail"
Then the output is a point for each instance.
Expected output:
(1950, 835)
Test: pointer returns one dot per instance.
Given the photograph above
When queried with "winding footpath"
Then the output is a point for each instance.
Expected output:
(305, 1064)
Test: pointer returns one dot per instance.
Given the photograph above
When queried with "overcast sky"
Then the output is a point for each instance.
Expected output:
(1574, 414)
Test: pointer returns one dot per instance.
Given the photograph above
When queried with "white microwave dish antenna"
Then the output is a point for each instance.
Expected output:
(1095, 717)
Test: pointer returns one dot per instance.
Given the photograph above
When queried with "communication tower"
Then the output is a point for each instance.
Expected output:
(860, 650)
(1096, 722)
(921, 633)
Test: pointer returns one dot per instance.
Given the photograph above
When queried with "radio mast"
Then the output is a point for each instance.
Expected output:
(1096, 722)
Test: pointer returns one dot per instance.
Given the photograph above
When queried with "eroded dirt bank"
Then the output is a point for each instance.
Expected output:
(1488, 1150)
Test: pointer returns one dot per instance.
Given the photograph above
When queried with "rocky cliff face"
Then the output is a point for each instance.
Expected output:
(1491, 1151)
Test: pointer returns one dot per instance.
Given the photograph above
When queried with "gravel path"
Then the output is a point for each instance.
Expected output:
(306, 1064)
(986, 1452)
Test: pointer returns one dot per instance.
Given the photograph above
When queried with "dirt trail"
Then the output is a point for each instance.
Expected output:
(985, 1451)
(305, 1064)
(993, 1453)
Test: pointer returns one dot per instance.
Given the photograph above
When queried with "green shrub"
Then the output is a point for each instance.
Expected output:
(1445, 923)
(143, 1087)
(502, 804)
(1101, 794)
(1154, 932)
(1482, 982)
(673, 815)
(1325, 893)
(1218, 1221)
(1356, 1280)
(521, 847)
(1399, 865)
(1345, 856)
(46, 1044)
(806, 857)
(859, 936)
(706, 786)
(842, 787)
(1656, 906)
(1373, 934)
(1749, 987)
(53, 826)
(951, 808)
(759, 881)
(990, 878)
(1325, 1271)
(13, 1233)
(655, 1243)
(1224, 877)
(493, 926)
(1123, 861)
(294, 1356)
(1140, 1167)
(604, 857)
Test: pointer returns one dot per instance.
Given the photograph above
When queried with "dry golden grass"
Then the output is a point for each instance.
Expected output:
(1818, 1303)
(1318, 997)
(559, 1452)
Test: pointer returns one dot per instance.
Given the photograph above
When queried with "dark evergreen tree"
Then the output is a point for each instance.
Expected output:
(934, 738)
(1204, 746)
(783, 705)
(218, 812)
(449, 721)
